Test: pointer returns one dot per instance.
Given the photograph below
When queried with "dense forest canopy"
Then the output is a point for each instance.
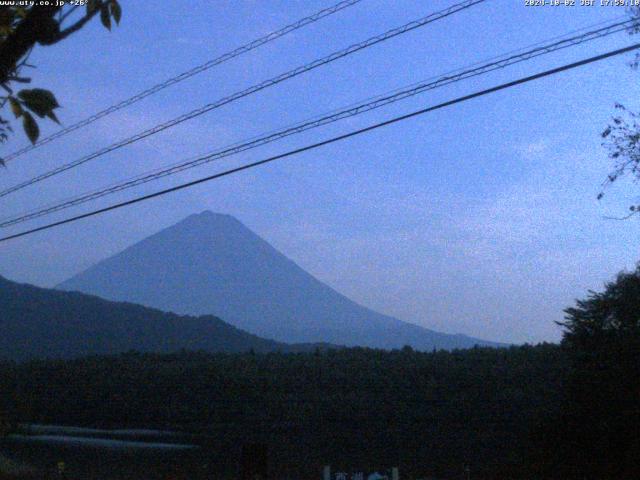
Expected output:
(565, 411)
(429, 413)
(602, 415)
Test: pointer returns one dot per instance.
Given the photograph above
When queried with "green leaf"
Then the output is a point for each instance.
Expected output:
(116, 11)
(30, 127)
(16, 108)
(105, 16)
(53, 117)
(39, 101)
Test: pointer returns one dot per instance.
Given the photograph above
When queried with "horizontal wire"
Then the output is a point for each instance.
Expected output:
(185, 75)
(317, 116)
(358, 109)
(253, 89)
(329, 141)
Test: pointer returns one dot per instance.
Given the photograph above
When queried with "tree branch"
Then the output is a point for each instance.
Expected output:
(626, 217)
(73, 28)
(35, 27)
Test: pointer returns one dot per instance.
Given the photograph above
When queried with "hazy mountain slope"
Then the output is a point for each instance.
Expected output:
(37, 322)
(212, 264)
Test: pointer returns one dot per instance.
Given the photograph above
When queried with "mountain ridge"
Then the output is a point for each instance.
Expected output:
(44, 323)
(211, 263)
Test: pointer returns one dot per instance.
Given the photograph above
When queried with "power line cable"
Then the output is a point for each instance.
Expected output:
(318, 116)
(316, 122)
(188, 74)
(253, 89)
(338, 138)
(412, 90)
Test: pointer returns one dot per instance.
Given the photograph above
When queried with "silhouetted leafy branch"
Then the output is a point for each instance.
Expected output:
(22, 29)
(622, 136)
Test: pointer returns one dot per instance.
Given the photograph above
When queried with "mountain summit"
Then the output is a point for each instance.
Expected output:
(212, 264)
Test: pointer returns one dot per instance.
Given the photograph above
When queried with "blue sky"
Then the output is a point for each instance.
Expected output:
(480, 218)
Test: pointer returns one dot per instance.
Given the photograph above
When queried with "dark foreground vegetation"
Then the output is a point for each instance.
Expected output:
(546, 411)
(429, 413)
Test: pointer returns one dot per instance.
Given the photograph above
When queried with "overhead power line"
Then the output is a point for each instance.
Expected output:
(188, 74)
(253, 89)
(351, 111)
(338, 138)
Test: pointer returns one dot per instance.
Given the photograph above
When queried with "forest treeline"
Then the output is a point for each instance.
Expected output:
(430, 413)
(568, 411)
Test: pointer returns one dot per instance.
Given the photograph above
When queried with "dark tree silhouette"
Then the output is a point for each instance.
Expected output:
(602, 339)
(21, 29)
(364, 409)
